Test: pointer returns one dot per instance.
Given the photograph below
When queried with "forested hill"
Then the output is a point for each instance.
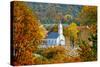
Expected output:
(49, 13)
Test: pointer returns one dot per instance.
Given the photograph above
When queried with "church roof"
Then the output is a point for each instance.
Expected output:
(52, 35)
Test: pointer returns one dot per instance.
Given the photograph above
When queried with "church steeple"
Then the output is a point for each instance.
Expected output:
(60, 28)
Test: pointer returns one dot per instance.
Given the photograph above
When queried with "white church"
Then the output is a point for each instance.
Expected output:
(55, 38)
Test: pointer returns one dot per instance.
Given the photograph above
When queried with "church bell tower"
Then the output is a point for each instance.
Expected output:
(60, 32)
(60, 28)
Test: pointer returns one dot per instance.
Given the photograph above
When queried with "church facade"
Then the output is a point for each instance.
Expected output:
(55, 38)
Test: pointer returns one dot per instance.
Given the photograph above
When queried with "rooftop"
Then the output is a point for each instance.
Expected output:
(52, 35)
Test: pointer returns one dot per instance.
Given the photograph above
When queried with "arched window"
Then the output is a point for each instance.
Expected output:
(49, 41)
(61, 42)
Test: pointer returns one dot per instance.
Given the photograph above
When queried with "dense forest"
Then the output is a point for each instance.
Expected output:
(50, 13)
(29, 31)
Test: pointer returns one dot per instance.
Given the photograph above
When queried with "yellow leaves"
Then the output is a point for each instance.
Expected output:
(88, 15)
(58, 49)
(57, 54)
(67, 17)
(72, 30)
(88, 8)
(93, 28)
(72, 27)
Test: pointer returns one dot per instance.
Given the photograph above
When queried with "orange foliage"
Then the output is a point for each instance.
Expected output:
(57, 54)
(27, 33)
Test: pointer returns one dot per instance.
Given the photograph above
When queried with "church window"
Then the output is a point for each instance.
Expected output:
(48, 41)
(52, 41)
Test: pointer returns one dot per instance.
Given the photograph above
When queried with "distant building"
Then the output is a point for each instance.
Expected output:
(55, 38)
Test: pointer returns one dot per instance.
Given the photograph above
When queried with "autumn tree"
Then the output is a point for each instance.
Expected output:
(55, 28)
(27, 33)
(87, 52)
(88, 18)
(56, 54)
(88, 15)
(72, 32)
(68, 18)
